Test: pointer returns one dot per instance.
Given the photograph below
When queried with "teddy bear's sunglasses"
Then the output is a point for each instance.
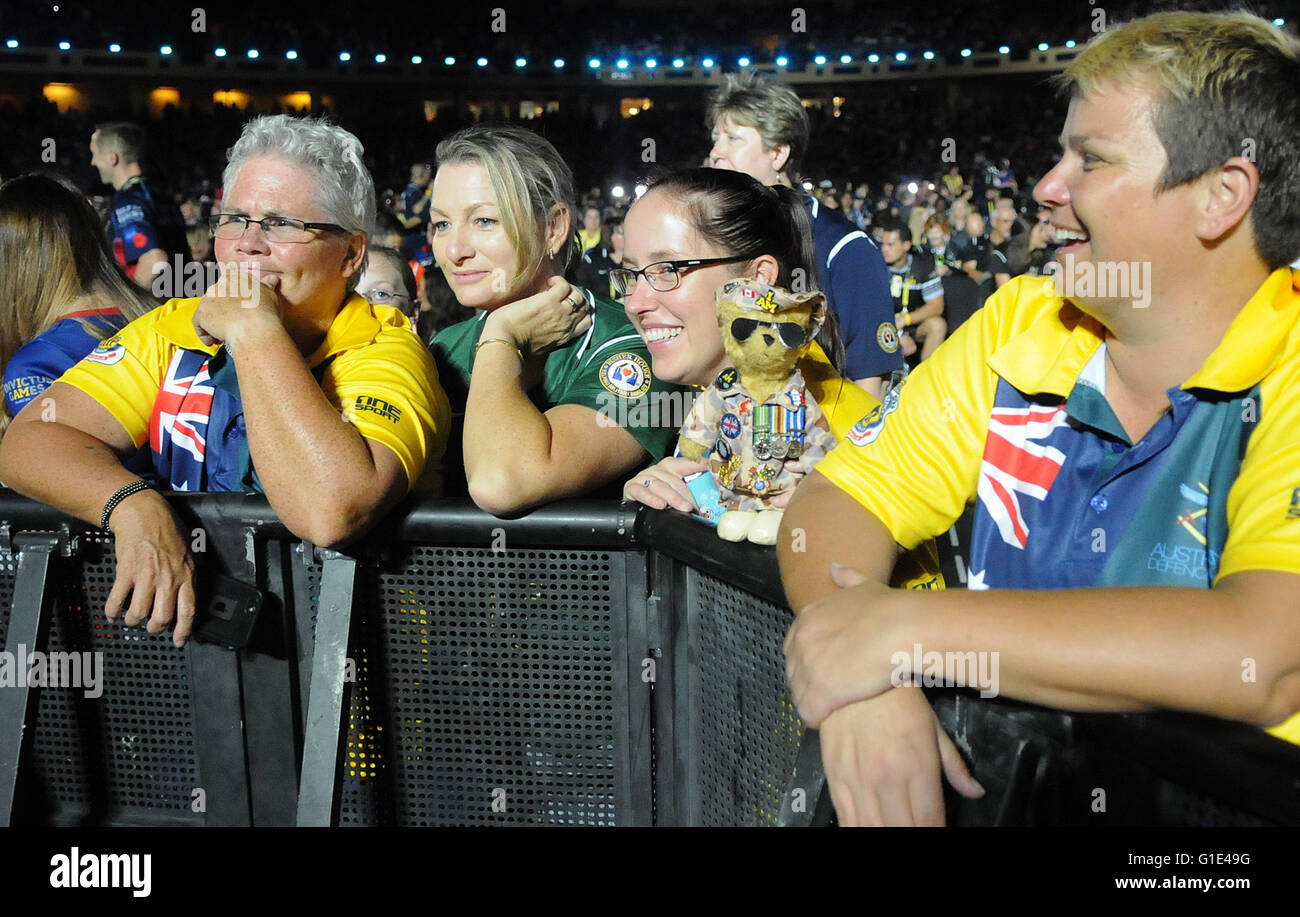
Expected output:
(792, 334)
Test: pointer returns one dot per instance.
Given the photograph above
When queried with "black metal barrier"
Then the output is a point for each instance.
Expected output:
(588, 664)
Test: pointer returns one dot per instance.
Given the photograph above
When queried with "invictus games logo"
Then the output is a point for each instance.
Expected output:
(108, 351)
(866, 430)
(625, 375)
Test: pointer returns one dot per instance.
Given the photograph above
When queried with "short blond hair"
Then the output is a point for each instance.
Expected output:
(533, 185)
(1225, 84)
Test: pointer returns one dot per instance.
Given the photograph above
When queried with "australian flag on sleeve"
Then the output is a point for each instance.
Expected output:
(197, 434)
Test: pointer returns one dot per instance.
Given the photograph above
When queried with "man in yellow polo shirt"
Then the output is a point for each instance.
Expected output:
(1126, 430)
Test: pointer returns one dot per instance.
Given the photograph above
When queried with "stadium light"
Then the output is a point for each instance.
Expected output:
(381, 58)
(965, 52)
(928, 55)
(911, 186)
(417, 59)
(13, 43)
(1070, 43)
(900, 56)
(482, 61)
(743, 62)
(345, 56)
(114, 48)
(220, 52)
(594, 63)
(621, 63)
(707, 63)
(291, 54)
(651, 63)
(871, 59)
(558, 63)
(65, 46)
(678, 63)
(449, 61)
(845, 59)
(617, 192)
(782, 61)
(820, 60)
(252, 54)
(1042, 46)
(1004, 49)
(1279, 22)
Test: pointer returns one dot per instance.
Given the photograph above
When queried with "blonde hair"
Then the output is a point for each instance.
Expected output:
(52, 252)
(1225, 85)
(531, 183)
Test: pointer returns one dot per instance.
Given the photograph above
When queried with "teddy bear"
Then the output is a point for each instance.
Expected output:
(757, 415)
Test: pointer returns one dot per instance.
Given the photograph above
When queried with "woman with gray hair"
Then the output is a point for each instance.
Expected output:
(242, 389)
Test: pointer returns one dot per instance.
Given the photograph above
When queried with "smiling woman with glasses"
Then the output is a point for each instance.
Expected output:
(682, 229)
(281, 380)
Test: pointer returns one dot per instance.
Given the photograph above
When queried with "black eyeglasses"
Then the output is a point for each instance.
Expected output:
(664, 275)
(276, 229)
(792, 334)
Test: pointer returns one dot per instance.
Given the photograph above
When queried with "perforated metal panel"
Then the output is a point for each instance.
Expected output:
(127, 756)
(489, 690)
(745, 727)
(8, 570)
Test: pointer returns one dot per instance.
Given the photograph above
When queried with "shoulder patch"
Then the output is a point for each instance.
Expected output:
(108, 352)
(887, 337)
(867, 430)
(626, 375)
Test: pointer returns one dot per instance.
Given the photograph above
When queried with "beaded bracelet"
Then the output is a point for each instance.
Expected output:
(122, 493)
(483, 343)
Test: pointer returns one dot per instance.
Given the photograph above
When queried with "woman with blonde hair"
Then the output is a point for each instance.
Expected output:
(552, 378)
(61, 288)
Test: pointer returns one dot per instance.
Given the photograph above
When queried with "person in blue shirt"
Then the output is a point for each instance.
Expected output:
(62, 291)
(760, 128)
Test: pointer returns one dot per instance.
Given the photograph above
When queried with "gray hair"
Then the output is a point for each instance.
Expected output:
(345, 190)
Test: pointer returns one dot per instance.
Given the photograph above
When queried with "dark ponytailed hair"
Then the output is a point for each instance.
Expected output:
(736, 213)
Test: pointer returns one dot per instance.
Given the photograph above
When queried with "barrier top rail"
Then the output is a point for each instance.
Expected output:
(1234, 763)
